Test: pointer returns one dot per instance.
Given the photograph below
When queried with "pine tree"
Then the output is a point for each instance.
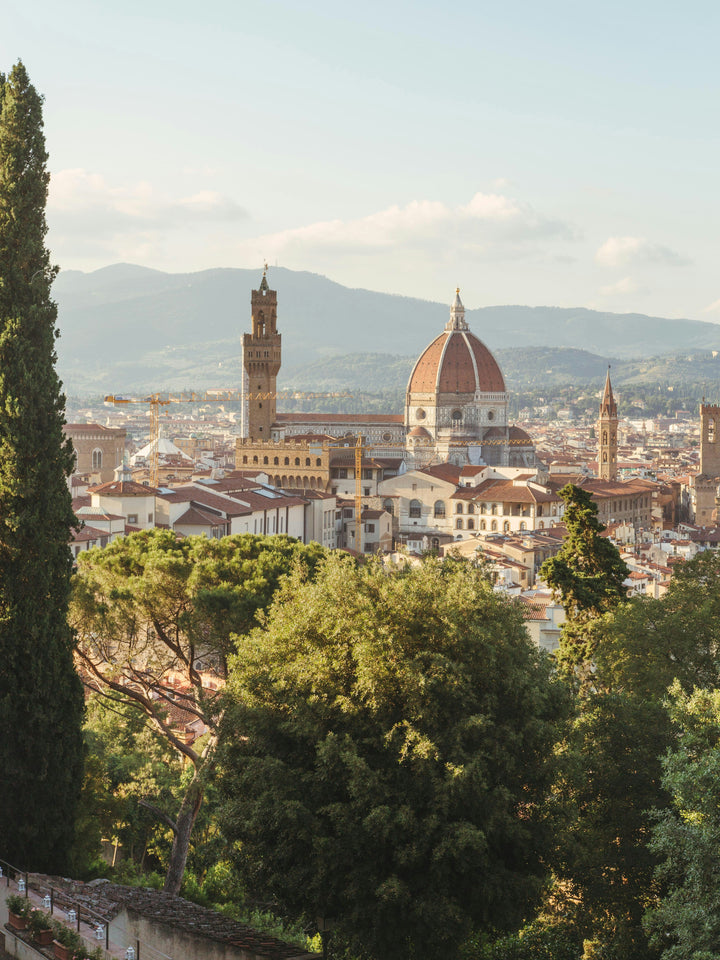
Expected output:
(41, 701)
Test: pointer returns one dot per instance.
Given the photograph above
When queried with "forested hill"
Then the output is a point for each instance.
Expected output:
(127, 327)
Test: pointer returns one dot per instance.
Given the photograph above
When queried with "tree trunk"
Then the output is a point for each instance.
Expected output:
(189, 809)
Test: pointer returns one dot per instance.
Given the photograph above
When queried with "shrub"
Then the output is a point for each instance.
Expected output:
(18, 905)
(37, 921)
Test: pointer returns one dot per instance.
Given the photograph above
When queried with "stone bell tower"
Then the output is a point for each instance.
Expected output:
(607, 434)
(261, 363)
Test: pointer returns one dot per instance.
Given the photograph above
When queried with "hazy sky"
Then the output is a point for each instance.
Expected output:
(530, 151)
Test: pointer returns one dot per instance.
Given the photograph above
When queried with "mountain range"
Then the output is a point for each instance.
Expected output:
(129, 328)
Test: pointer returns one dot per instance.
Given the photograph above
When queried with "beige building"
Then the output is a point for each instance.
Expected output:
(98, 450)
(704, 487)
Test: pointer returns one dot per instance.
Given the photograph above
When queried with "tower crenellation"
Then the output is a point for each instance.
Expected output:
(261, 362)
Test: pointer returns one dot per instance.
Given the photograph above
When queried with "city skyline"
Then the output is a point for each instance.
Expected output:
(559, 155)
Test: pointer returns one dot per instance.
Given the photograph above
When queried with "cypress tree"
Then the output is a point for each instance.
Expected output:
(41, 700)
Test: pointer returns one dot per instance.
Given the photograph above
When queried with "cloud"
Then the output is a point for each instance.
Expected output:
(624, 286)
(636, 252)
(80, 202)
(714, 307)
(487, 224)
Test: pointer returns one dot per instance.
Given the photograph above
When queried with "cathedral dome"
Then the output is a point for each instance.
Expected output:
(456, 361)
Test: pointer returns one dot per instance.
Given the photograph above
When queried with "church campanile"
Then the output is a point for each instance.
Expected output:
(261, 362)
(607, 434)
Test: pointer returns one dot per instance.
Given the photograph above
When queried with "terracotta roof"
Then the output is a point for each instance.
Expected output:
(349, 418)
(456, 362)
(124, 488)
(194, 517)
(505, 491)
(443, 471)
(88, 533)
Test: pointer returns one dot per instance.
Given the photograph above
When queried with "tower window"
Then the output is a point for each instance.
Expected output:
(97, 459)
(420, 414)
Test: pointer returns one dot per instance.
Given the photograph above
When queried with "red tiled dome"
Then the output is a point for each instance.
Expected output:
(456, 362)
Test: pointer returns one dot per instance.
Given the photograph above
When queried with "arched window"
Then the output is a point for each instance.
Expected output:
(307, 461)
(471, 508)
(389, 506)
(523, 525)
(506, 526)
(265, 461)
(255, 459)
(493, 525)
(276, 461)
(439, 508)
(493, 509)
(541, 525)
(458, 508)
(458, 523)
(483, 525)
(471, 524)
(297, 461)
(604, 436)
(97, 459)
(287, 461)
(245, 459)
(483, 508)
(456, 416)
(415, 508)
(318, 462)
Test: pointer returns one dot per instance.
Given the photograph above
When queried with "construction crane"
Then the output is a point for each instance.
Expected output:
(157, 400)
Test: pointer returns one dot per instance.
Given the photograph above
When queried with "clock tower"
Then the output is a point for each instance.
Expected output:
(261, 362)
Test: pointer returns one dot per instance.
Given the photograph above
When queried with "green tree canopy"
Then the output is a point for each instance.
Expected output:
(686, 924)
(587, 573)
(41, 701)
(149, 609)
(387, 750)
(645, 645)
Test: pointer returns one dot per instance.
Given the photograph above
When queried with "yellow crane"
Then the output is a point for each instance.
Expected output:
(157, 400)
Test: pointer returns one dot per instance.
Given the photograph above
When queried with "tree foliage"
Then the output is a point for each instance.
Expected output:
(686, 923)
(587, 573)
(386, 754)
(646, 644)
(41, 702)
(148, 609)
(613, 785)
(610, 784)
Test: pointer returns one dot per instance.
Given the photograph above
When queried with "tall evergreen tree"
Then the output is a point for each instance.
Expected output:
(41, 701)
(587, 575)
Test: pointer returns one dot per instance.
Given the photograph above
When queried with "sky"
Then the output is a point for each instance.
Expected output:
(546, 153)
